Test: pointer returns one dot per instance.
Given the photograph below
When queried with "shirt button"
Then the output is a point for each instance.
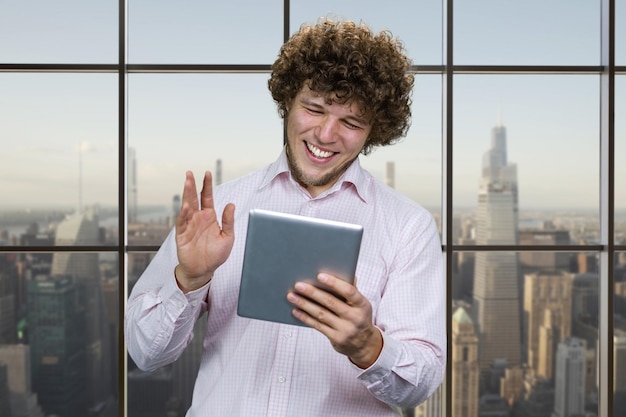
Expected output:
(288, 335)
(281, 379)
(180, 304)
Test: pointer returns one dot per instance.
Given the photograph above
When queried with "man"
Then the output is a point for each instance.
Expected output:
(372, 347)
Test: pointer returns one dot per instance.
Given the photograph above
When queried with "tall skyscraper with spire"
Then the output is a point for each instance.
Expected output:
(496, 290)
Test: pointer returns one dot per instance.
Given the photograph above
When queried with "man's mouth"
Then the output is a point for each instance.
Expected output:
(317, 152)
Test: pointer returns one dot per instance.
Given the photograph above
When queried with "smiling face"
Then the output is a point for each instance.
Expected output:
(323, 139)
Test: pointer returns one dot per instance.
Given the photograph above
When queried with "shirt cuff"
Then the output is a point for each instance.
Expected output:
(185, 304)
(376, 377)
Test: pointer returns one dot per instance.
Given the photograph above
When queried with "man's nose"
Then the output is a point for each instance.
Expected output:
(328, 129)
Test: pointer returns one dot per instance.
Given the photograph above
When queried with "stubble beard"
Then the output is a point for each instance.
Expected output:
(308, 181)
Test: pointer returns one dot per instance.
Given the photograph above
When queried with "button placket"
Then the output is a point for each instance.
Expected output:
(282, 371)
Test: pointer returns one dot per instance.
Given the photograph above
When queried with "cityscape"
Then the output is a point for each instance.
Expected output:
(524, 336)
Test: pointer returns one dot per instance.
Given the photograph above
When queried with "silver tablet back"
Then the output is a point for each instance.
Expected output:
(281, 249)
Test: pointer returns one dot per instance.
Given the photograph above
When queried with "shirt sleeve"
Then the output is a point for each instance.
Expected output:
(159, 318)
(411, 318)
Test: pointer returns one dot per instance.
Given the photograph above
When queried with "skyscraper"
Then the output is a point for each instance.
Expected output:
(496, 290)
(569, 395)
(390, 174)
(8, 298)
(23, 401)
(465, 369)
(57, 335)
(218, 172)
(619, 372)
(83, 268)
(548, 314)
(174, 210)
(132, 186)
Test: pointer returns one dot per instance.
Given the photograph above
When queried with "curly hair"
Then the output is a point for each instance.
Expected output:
(346, 62)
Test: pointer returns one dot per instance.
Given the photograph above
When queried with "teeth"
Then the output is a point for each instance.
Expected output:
(318, 152)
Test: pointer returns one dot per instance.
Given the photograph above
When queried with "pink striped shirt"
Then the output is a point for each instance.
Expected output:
(258, 368)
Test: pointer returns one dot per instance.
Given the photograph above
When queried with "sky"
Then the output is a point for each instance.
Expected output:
(54, 126)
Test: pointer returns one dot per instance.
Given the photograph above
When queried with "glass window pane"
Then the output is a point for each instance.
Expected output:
(64, 31)
(533, 32)
(620, 33)
(527, 143)
(59, 157)
(619, 337)
(164, 107)
(620, 159)
(413, 166)
(169, 389)
(417, 24)
(204, 32)
(524, 333)
(59, 331)
(187, 122)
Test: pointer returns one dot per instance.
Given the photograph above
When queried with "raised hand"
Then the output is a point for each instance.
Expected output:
(201, 244)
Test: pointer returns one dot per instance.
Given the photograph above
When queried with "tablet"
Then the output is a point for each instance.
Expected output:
(281, 249)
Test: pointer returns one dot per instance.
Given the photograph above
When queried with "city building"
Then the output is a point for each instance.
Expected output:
(390, 174)
(8, 298)
(619, 372)
(464, 263)
(5, 396)
(23, 400)
(57, 335)
(496, 293)
(538, 398)
(132, 204)
(464, 363)
(566, 74)
(84, 269)
(218, 177)
(548, 317)
(544, 260)
(492, 405)
(569, 398)
(150, 394)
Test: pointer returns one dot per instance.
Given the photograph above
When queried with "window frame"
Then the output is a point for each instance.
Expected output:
(607, 248)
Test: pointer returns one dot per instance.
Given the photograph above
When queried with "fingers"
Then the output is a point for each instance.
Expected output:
(228, 220)
(206, 195)
(318, 302)
(190, 200)
(190, 194)
(311, 313)
(341, 288)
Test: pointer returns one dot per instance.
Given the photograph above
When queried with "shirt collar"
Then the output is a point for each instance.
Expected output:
(354, 175)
